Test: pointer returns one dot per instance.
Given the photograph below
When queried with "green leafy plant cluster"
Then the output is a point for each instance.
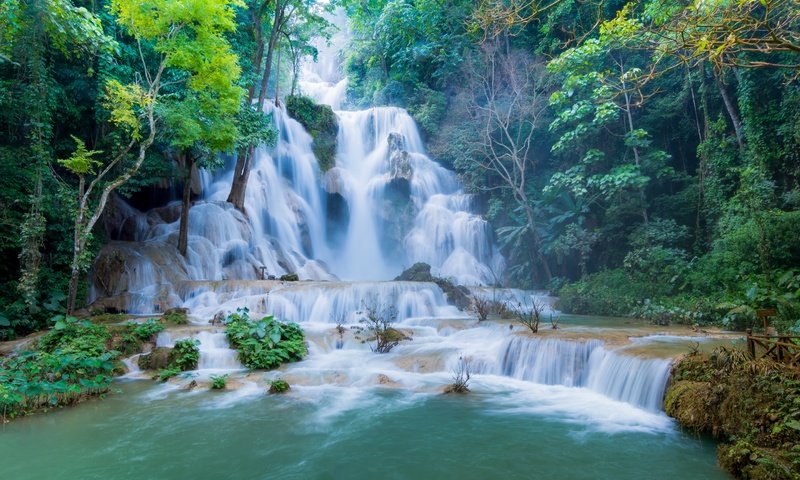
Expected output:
(68, 364)
(266, 343)
(321, 123)
(278, 385)
(128, 338)
(218, 382)
(185, 354)
(166, 373)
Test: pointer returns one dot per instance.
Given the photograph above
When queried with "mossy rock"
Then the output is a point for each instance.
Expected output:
(692, 404)
(419, 272)
(457, 295)
(159, 358)
(321, 124)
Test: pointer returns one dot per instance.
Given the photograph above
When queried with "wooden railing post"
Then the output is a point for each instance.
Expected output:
(751, 346)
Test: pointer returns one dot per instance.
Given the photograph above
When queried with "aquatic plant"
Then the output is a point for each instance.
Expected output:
(218, 382)
(265, 343)
(278, 385)
(185, 354)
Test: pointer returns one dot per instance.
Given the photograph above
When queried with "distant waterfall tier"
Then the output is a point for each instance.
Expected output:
(640, 382)
(320, 302)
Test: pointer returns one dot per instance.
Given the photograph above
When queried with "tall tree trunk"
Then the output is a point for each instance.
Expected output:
(733, 113)
(277, 74)
(280, 11)
(241, 175)
(183, 232)
(636, 158)
(531, 217)
(244, 160)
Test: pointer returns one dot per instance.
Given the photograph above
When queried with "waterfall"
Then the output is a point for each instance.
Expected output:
(640, 382)
(215, 352)
(402, 208)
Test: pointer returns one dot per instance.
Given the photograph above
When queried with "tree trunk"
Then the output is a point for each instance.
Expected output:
(183, 233)
(277, 74)
(635, 149)
(74, 278)
(730, 107)
(241, 174)
(280, 11)
(536, 241)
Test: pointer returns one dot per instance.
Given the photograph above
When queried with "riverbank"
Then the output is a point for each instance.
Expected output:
(751, 406)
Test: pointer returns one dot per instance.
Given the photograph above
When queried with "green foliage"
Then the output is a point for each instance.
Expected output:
(69, 363)
(185, 354)
(610, 292)
(167, 373)
(176, 316)
(321, 123)
(81, 162)
(278, 385)
(147, 330)
(218, 382)
(752, 406)
(266, 343)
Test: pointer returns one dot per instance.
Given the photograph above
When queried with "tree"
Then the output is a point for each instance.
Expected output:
(507, 101)
(282, 13)
(179, 42)
(31, 35)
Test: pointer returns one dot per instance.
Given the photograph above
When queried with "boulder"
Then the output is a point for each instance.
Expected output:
(419, 272)
(157, 359)
(399, 159)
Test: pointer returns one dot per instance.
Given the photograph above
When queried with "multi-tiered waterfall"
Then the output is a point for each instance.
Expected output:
(400, 207)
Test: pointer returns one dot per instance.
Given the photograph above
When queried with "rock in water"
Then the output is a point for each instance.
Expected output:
(157, 359)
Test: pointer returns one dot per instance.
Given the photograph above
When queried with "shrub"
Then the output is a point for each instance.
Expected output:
(218, 382)
(168, 373)
(69, 363)
(461, 376)
(147, 330)
(265, 343)
(278, 385)
(177, 316)
(376, 326)
(185, 354)
(610, 292)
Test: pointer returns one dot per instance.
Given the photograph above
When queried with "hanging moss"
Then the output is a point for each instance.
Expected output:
(321, 123)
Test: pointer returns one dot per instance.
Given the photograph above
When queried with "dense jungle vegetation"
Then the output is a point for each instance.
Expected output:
(633, 157)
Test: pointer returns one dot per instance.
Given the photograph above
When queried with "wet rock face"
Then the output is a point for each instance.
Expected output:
(399, 159)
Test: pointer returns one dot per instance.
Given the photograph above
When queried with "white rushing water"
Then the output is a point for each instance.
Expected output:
(400, 207)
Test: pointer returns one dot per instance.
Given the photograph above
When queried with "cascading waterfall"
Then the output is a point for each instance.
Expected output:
(588, 364)
(402, 207)
(215, 352)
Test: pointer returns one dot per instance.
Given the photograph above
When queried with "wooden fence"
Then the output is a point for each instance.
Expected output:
(781, 348)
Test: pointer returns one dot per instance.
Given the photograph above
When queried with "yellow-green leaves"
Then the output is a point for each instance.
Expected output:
(189, 35)
(81, 162)
(125, 102)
